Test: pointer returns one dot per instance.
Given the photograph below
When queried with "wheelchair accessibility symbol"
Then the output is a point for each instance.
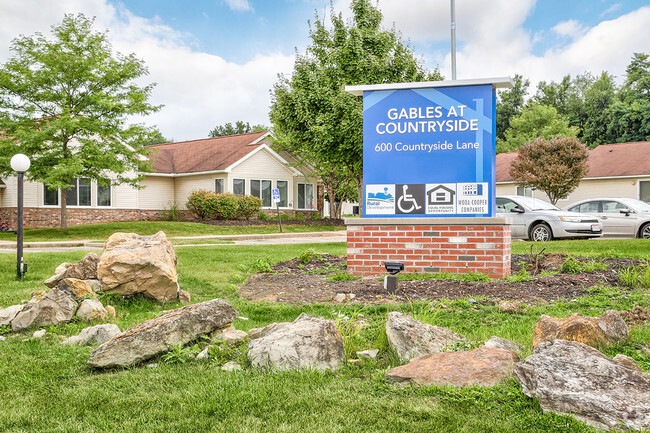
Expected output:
(410, 199)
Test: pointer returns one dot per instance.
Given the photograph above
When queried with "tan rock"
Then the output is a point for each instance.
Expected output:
(627, 361)
(229, 335)
(510, 306)
(134, 264)
(36, 296)
(8, 314)
(56, 307)
(111, 310)
(601, 331)
(184, 297)
(75, 287)
(85, 269)
(91, 309)
(485, 366)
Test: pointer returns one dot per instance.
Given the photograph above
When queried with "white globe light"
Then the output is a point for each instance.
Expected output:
(20, 162)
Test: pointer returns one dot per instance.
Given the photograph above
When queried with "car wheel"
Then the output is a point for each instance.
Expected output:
(541, 232)
(644, 233)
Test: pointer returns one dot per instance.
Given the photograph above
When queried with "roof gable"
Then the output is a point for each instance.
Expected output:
(209, 154)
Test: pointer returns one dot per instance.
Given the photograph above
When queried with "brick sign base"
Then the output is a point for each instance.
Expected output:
(456, 245)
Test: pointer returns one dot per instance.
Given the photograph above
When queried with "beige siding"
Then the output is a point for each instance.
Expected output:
(124, 197)
(184, 185)
(157, 194)
(32, 193)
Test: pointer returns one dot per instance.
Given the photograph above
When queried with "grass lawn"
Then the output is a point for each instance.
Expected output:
(46, 387)
(171, 228)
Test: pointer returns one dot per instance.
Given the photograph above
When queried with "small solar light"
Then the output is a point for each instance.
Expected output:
(390, 281)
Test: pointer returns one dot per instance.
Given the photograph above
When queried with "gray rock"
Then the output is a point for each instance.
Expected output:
(231, 366)
(229, 335)
(307, 342)
(184, 297)
(502, 343)
(626, 361)
(2, 338)
(39, 334)
(485, 366)
(572, 378)
(94, 335)
(368, 354)
(91, 309)
(204, 354)
(85, 269)
(8, 314)
(160, 334)
(411, 338)
(57, 307)
(132, 264)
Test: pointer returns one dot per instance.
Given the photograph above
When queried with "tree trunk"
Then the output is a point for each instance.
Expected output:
(64, 210)
(331, 196)
(360, 196)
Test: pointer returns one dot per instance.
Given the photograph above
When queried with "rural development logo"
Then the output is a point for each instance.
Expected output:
(380, 199)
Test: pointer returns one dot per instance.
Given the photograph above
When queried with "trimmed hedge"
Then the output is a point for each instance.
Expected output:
(208, 205)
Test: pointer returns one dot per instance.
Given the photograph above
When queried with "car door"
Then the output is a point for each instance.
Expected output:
(505, 208)
(614, 222)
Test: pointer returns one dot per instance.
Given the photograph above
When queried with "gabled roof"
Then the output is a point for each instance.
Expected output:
(606, 160)
(205, 155)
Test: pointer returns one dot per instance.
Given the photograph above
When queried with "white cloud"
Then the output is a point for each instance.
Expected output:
(571, 29)
(199, 90)
(239, 5)
(611, 9)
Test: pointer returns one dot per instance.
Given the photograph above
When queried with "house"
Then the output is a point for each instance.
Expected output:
(615, 170)
(242, 164)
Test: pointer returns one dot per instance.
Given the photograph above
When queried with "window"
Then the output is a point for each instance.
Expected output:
(610, 206)
(262, 190)
(283, 187)
(218, 186)
(505, 205)
(79, 194)
(50, 196)
(644, 191)
(104, 194)
(305, 196)
(525, 191)
(586, 207)
(239, 186)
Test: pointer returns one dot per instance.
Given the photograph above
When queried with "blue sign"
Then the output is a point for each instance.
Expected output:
(429, 152)
(275, 192)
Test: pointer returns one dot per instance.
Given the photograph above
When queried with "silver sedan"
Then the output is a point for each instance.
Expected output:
(623, 217)
(538, 220)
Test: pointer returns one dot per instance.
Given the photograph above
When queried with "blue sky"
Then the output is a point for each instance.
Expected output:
(215, 61)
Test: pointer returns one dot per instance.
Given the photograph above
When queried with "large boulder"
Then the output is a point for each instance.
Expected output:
(8, 314)
(85, 269)
(56, 307)
(134, 264)
(307, 342)
(159, 335)
(485, 366)
(98, 334)
(411, 338)
(569, 377)
(601, 331)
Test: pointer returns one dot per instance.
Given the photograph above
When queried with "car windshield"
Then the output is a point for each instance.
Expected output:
(637, 205)
(535, 203)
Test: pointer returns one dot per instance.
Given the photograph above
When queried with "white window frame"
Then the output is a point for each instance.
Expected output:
(639, 191)
(286, 203)
(233, 184)
(261, 190)
(305, 197)
(110, 194)
(76, 187)
(58, 197)
(221, 180)
(526, 191)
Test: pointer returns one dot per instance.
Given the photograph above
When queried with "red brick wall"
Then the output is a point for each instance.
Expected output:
(51, 217)
(457, 245)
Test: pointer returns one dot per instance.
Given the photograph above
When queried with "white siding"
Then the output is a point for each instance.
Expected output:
(184, 185)
(157, 194)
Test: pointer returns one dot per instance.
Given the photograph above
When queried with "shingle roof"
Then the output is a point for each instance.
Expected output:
(209, 154)
(607, 160)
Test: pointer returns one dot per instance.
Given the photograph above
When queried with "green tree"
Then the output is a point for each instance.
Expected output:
(599, 98)
(312, 115)
(554, 166)
(509, 104)
(239, 128)
(155, 137)
(64, 103)
(535, 121)
(630, 114)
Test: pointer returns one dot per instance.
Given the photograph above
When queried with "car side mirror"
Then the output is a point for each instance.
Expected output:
(627, 212)
(517, 210)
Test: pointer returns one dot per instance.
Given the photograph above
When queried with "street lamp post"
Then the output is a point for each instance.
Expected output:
(20, 164)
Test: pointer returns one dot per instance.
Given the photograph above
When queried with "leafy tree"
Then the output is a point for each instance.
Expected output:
(554, 166)
(510, 104)
(155, 137)
(630, 114)
(64, 103)
(239, 128)
(312, 115)
(599, 98)
(535, 121)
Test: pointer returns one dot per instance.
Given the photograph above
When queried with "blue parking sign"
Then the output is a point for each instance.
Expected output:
(275, 192)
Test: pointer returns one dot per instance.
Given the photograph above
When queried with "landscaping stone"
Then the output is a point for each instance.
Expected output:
(2, 338)
(160, 334)
(94, 335)
(204, 354)
(75, 287)
(56, 307)
(229, 335)
(111, 311)
(502, 343)
(91, 309)
(510, 306)
(8, 314)
(231, 366)
(95, 285)
(85, 269)
(411, 338)
(485, 366)
(36, 296)
(132, 264)
(184, 297)
(39, 334)
(627, 361)
(368, 354)
(601, 331)
(307, 342)
(572, 378)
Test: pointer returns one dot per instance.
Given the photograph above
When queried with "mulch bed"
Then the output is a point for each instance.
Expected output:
(296, 282)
